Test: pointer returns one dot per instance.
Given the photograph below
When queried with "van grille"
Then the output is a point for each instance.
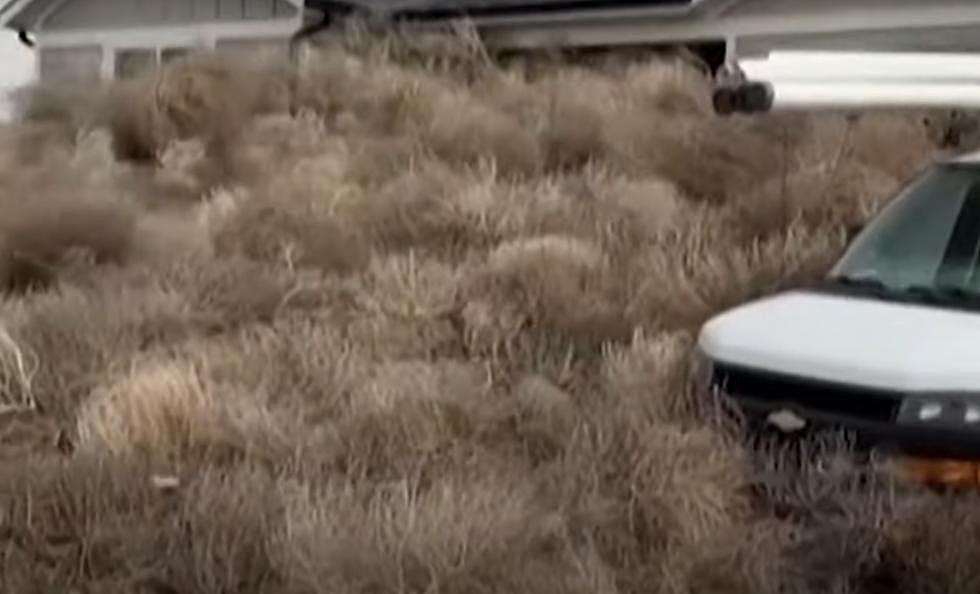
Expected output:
(819, 397)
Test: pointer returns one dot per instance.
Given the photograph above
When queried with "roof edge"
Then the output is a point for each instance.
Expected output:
(9, 12)
(495, 16)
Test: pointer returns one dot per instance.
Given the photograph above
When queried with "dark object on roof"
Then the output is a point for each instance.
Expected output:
(401, 11)
(511, 8)
(25, 39)
(331, 11)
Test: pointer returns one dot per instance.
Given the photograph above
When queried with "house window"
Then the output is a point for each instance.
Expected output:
(69, 64)
(264, 44)
(132, 62)
(258, 48)
(171, 53)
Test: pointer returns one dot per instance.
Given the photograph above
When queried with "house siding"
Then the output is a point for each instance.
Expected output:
(114, 14)
(779, 7)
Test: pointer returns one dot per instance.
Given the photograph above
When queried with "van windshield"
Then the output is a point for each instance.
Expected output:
(925, 243)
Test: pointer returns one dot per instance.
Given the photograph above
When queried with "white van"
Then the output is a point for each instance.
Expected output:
(888, 343)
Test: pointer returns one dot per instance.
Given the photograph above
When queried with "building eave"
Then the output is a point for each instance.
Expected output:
(9, 12)
(613, 29)
(506, 14)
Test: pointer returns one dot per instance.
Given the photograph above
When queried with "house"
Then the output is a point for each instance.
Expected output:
(746, 27)
(92, 39)
(715, 29)
(104, 39)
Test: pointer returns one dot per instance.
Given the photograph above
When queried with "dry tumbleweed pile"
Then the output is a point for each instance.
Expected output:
(383, 323)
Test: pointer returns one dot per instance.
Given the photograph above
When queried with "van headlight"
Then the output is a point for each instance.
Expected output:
(941, 411)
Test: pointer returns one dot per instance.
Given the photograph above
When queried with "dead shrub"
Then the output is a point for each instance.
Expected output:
(826, 195)
(64, 109)
(165, 236)
(291, 237)
(304, 367)
(669, 86)
(546, 417)
(402, 308)
(652, 376)
(32, 143)
(175, 410)
(157, 409)
(594, 204)
(237, 292)
(463, 130)
(39, 238)
(751, 557)
(685, 494)
(456, 54)
(577, 105)
(356, 94)
(209, 533)
(378, 161)
(926, 547)
(429, 209)
(56, 510)
(17, 369)
(463, 535)
(896, 144)
(79, 334)
(139, 133)
(409, 411)
(685, 281)
(220, 539)
(708, 161)
(202, 96)
(625, 214)
(574, 135)
(545, 286)
(665, 497)
(430, 331)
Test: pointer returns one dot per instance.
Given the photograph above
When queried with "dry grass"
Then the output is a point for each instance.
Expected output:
(429, 332)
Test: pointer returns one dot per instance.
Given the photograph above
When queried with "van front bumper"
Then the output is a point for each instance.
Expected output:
(875, 418)
(920, 442)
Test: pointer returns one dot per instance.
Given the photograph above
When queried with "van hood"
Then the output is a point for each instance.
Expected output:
(859, 341)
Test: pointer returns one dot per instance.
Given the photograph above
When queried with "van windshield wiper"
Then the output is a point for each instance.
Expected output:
(860, 281)
(945, 294)
(937, 294)
(868, 283)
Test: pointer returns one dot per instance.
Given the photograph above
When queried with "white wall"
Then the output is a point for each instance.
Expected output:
(964, 38)
(16, 68)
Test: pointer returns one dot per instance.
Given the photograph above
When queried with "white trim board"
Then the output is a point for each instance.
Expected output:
(613, 28)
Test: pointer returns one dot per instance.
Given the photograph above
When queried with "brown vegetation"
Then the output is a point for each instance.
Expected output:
(429, 333)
